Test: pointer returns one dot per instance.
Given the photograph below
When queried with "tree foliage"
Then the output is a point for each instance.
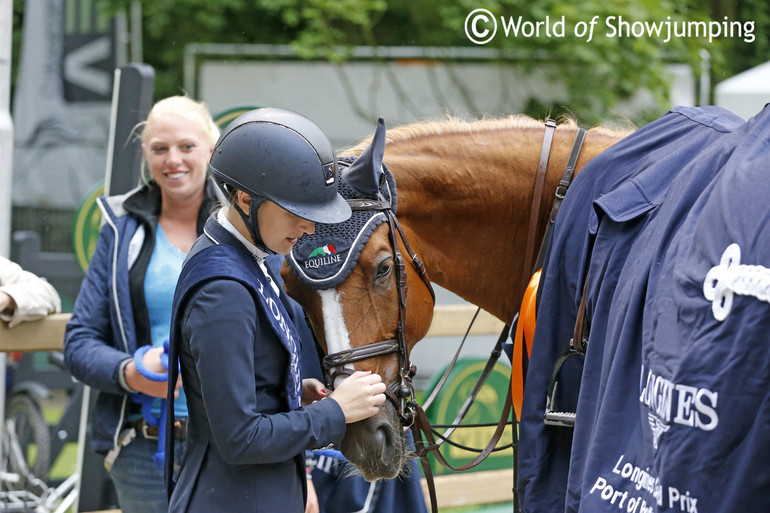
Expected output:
(738, 55)
(600, 75)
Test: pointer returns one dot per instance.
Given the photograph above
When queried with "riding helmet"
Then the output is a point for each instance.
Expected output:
(282, 156)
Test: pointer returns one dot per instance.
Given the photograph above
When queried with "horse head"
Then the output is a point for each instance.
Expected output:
(351, 280)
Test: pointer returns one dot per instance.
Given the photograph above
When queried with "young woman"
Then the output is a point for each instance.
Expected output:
(125, 299)
(251, 415)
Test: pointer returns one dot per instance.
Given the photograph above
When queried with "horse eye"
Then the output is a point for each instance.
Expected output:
(384, 269)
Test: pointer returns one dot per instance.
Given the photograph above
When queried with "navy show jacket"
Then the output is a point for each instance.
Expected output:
(110, 320)
(245, 447)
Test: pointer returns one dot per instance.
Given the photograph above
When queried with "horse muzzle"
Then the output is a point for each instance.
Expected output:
(376, 446)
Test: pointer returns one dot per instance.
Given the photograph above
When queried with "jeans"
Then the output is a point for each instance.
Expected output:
(139, 482)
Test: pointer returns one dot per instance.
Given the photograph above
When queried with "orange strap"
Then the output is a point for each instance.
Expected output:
(525, 332)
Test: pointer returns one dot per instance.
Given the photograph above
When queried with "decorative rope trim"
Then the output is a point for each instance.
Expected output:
(730, 277)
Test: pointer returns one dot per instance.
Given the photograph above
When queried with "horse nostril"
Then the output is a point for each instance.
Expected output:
(382, 436)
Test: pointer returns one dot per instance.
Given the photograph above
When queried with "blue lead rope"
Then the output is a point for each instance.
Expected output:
(330, 453)
(146, 401)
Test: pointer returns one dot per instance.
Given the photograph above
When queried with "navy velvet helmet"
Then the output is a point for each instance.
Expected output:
(282, 156)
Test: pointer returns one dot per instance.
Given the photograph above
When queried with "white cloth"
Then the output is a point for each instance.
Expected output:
(34, 296)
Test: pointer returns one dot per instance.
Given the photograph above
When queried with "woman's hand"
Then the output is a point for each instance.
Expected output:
(7, 303)
(360, 395)
(312, 391)
(152, 362)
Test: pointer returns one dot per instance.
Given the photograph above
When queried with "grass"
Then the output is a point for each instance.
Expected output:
(66, 463)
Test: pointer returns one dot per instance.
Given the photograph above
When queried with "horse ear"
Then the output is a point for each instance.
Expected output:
(365, 172)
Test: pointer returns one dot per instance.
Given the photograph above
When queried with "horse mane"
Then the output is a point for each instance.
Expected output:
(453, 125)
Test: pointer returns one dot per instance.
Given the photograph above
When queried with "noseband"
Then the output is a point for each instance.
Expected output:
(401, 392)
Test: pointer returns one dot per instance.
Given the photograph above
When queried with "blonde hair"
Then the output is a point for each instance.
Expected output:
(194, 111)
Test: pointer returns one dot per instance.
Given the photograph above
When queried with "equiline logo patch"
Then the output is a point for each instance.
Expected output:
(317, 258)
(322, 251)
(323, 256)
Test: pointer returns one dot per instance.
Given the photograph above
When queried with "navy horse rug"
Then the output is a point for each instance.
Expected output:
(669, 230)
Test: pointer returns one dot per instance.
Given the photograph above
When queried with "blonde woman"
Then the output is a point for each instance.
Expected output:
(125, 300)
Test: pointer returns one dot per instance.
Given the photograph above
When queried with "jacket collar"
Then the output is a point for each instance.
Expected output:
(258, 253)
(218, 234)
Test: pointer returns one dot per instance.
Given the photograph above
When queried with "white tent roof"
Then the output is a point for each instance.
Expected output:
(745, 93)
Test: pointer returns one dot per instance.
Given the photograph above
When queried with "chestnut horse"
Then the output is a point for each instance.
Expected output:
(464, 193)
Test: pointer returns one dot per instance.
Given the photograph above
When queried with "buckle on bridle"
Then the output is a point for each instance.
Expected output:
(561, 190)
(407, 404)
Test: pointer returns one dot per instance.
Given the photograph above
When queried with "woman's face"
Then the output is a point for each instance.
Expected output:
(177, 154)
(280, 229)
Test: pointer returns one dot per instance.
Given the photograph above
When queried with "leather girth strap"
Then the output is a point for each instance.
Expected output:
(579, 340)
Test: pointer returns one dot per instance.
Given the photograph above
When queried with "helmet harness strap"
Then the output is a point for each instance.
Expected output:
(252, 222)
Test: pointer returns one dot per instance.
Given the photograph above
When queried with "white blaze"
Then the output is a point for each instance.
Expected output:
(337, 338)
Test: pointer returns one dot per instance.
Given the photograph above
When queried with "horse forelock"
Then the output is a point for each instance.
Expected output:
(458, 126)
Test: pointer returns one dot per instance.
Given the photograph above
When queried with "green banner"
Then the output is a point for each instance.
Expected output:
(225, 117)
(86, 226)
(487, 408)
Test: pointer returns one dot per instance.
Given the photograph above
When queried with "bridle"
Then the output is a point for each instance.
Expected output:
(401, 392)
